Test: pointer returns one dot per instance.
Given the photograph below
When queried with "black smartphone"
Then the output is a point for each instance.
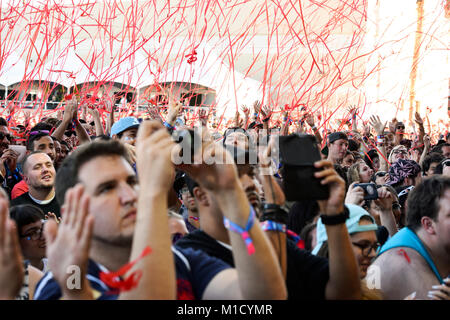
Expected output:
(370, 190)
(298, 153)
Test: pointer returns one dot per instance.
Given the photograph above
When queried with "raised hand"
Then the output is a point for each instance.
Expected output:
(203, 116)
(154, 113)
(11, 265)
(418, 119)
(266, 112)
(440, 292)
(154, 147)
(377, 125)
(174, 109)
(245, 111)
(355, 195)
(69, 242)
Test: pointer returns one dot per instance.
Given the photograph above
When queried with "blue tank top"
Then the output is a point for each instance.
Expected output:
(407, 238)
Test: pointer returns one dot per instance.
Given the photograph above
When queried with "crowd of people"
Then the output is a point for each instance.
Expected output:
(96, 207)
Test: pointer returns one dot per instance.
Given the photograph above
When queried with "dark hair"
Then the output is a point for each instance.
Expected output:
(33, 138)
(25, 160)
(438, 148)
(42, 126)
(429, 159)
(423, 201)
(3, 122)
(407, 143)
(236, 129)
(67, 175)
(306, 235)
(301, 214)
(102, 137)
(370, 156)
(353, 145)
(25, 214)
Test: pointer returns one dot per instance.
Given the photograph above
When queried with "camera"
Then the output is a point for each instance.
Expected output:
(370, 190)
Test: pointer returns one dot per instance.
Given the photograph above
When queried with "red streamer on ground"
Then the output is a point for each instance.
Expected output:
(114, 279)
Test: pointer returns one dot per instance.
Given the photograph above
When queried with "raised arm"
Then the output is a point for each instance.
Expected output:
(11, 266)
(98, 121)
(344, 280)
(258, 272)
(156, 173)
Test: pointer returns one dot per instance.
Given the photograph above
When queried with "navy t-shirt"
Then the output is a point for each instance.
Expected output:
(194, 271)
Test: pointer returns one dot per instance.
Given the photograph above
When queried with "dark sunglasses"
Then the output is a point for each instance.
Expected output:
(401, 127)
(380, 174)
(3, 135)
(446, 163)
(70, 133)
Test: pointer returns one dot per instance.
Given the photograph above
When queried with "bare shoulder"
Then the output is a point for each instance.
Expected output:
(404, 271)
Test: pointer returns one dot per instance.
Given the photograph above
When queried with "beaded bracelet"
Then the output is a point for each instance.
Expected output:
(243, 231)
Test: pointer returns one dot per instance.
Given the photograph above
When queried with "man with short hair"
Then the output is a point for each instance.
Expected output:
(418, 256)
(430, 163)
(38, 140)
(39, 174)
(337, 147)
(110, 185)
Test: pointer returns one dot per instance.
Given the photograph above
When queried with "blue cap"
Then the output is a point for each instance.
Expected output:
(124, 124)
(352, 223)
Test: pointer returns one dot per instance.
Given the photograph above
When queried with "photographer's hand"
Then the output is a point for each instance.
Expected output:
(344, 282)
(355, 195)
(387, 218)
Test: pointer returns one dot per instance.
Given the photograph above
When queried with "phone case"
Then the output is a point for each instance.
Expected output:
(297, 155)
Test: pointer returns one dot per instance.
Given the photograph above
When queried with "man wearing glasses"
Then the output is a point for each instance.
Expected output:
(30, 223)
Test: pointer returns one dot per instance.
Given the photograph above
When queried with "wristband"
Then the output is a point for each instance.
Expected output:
(335, 219)
(168, 125)
(270, 225)
(243, 232)
(266, 119)
(314, 127)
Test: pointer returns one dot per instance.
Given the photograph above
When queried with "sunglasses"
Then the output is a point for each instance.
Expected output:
(446, 163)
(32, 133)
(396, 206)
(3, 135)
(401, 127)
(380, 174)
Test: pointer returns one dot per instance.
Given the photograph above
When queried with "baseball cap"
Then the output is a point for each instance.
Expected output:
(124, 124)
(352, 223)
(332, 137)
